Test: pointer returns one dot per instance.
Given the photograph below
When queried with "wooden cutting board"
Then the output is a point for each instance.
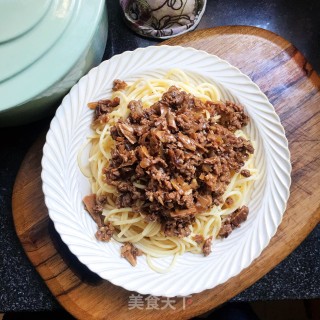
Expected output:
(292, 87)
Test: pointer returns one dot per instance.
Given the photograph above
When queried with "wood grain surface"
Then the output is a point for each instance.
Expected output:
(292, 87)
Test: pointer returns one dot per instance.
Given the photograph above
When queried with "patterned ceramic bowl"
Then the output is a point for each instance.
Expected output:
(162, 18)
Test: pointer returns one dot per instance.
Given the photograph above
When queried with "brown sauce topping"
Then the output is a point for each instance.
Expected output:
(179, 153)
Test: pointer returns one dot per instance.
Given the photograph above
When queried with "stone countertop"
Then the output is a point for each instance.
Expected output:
(297, 277)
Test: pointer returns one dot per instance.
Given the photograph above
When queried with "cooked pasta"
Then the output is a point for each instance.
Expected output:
(131, 225)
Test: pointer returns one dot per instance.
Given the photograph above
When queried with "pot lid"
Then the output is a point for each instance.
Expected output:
(40, 41)
(18, 17)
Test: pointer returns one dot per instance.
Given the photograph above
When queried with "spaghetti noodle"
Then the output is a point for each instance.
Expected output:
(130, 224)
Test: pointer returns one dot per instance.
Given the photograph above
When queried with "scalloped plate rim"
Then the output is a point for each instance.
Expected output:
(74, 248)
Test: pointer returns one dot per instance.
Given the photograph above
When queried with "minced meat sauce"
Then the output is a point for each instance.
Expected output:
(176, 158)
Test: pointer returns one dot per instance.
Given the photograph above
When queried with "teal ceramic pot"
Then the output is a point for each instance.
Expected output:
(46, 46)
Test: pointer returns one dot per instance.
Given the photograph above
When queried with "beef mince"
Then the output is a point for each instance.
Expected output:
(233, 221)
(101, 110)
(206, 249)
(130, 252)
(119, 85)
(175, 159)
(94, 205)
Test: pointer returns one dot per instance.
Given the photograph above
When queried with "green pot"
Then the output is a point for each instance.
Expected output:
(46, 46)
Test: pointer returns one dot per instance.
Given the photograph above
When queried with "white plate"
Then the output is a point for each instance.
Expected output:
(64, 186)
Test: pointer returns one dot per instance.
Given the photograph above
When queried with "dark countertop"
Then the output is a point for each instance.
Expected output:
(297, 277)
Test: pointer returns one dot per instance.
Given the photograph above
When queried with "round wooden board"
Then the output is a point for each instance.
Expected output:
(292, 87)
